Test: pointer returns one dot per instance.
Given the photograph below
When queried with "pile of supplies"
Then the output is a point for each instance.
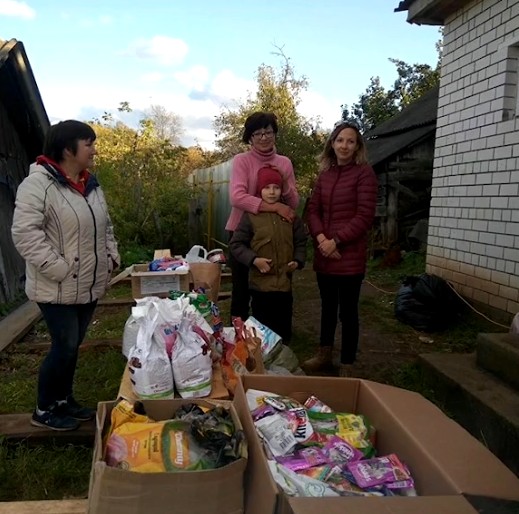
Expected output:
(195, 438)
(313, 451)
(173, 344)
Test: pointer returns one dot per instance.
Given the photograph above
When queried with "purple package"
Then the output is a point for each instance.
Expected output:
(339, 451)
(299, 423)
(379, 470)
(303, 459)
(262, 411)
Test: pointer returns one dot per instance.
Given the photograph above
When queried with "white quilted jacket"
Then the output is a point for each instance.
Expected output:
(66, 239)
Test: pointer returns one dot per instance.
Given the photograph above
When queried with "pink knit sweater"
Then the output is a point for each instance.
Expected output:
(244, 177)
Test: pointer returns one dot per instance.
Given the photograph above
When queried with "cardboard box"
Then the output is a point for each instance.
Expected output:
(157, 283)
(218, 389)
(444, 459)
(393, 505)
(118, 491)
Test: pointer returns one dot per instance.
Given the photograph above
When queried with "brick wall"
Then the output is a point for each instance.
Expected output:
(474, 216)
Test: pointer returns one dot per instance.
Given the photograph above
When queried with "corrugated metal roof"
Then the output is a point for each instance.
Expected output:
(407, 127)
(20, 96)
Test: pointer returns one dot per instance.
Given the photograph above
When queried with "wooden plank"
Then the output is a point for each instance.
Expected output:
(18, 426)
(93, 343)
(45, 507)
(124, 275)
(14, 326)
(224, 295)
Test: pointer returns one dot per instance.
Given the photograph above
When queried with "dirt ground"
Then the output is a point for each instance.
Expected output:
(384, 347)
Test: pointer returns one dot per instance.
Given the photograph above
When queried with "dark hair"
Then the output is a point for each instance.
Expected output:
(65, 136)
(259, 120)
(328, 157)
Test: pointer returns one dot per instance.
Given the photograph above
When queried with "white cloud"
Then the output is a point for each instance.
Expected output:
(315, 105)
(194, 78)
(152, 77)
(165, 50)
(228, 85)
(16, 9)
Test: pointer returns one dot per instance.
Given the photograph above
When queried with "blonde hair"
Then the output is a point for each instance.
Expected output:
(327, 159)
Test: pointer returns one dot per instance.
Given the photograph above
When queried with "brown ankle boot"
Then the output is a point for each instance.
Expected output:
(320, 362)
(346, 370)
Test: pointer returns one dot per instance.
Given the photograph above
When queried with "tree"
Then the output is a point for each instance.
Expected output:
(377, 104)
(278, 91)
(167, 125)
(145, 179)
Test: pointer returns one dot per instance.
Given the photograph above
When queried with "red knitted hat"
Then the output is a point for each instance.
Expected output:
(268, 176)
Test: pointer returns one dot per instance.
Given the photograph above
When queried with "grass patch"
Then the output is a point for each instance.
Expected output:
(49, 472)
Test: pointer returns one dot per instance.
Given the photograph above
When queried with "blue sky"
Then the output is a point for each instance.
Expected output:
(196, 56)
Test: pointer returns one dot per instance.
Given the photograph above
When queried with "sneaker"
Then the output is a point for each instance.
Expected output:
(74, 410)
(54, 420)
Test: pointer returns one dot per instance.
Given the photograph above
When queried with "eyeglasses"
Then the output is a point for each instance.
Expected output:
(267, 134)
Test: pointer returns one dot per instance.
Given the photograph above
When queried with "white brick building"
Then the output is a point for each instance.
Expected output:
(474, 217)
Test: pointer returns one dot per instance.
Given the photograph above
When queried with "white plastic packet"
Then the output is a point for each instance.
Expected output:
(191, 362)
(269, 339)
(149, 365)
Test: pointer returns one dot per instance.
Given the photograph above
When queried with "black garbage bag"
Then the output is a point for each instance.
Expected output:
(426, 303)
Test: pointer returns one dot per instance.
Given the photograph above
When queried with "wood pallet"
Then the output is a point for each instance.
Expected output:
(18, 426)
(14, 326)
(45, 507)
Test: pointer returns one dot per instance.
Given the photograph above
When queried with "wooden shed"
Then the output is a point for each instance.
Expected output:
(23, 124)
(401, 151)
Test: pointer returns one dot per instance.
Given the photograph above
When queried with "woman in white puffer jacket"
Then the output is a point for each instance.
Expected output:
(62, 229)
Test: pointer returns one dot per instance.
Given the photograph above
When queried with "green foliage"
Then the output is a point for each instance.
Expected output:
(145, 182)
(377, 104)
(278, 91)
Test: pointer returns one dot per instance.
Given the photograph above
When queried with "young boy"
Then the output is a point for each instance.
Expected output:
(273, 248)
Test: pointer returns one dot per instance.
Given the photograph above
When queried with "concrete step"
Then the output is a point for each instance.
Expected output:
(481, 403)
(499, 354)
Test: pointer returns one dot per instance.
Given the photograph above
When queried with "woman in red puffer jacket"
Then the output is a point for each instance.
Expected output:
(340, 214)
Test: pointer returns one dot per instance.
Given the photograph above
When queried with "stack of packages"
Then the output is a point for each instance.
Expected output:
(174, 344)
(313, 451)
(169, 345)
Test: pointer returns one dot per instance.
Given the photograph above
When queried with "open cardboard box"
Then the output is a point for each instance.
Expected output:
(394, 505)
(118, 491)
(157, 283)
(444, 459)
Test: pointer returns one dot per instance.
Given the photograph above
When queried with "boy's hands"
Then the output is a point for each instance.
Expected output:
(292, 266)
(262, 264)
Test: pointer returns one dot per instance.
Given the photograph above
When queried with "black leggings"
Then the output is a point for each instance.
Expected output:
(340, 296)
(240, 296)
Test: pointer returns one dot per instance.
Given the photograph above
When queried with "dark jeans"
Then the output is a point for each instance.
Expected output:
(274, 310)
(240, 296)
(340, 295)
(67, 325)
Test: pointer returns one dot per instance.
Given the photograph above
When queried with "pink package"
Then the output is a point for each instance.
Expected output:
(303, 459)
(299, 424)
(379, 470)
(339, 451)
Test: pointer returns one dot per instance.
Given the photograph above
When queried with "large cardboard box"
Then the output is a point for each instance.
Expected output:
(445, 459)
(117, 491)
(394, 505)
(157, 283)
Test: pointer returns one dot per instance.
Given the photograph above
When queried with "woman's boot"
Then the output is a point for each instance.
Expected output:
(321, 362)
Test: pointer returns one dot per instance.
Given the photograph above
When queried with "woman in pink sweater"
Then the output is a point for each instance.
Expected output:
(259, 132)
